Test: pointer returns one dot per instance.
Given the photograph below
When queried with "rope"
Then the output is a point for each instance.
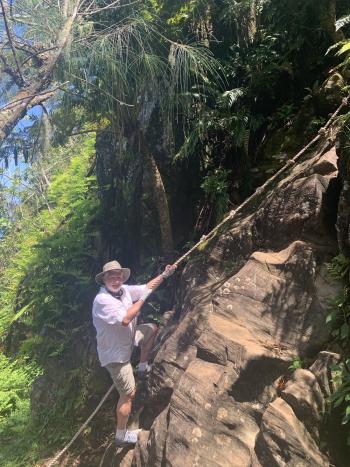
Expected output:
(55, 459)
(268, 182)
(229, 217)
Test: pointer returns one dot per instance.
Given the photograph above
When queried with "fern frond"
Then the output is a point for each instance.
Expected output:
(341, 22)
(231, 97)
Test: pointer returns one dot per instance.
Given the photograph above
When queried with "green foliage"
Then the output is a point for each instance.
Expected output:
(229, 98)
(46, 278)
(341, 397)
(269, 52)
(339, 322)
(132, 60)
(296, 364)
(184, 13)
(15, 379)
(16, 441)
(339, 267)
(339, 317)
(342, 50)
(158, 58)
(283, 116)
(51, 250)
(215, 186)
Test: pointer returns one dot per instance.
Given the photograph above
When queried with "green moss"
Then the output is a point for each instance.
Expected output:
(203, 245)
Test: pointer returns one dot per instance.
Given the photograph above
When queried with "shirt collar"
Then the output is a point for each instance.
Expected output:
(118, 294)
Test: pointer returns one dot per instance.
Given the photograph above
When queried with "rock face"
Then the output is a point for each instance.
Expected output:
(252, 300)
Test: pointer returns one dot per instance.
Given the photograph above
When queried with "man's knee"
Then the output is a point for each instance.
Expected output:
(131, 395)
(127, 397)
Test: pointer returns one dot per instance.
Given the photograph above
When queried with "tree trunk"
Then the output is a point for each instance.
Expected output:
(159, 199)
(328, 17)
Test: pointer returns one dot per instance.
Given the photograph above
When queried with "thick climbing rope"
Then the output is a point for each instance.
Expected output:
(258, 192)
(263, 188)
(84, 425)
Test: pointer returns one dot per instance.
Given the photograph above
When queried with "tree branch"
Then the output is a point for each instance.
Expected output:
(10, 41)
(11, 72)
(36, 54)
(38, 95)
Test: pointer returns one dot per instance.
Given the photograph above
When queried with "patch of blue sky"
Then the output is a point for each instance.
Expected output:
(10, 171)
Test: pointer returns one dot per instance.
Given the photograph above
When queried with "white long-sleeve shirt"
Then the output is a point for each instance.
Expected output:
(114, 341)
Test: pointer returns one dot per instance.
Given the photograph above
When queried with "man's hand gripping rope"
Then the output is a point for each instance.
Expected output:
(154, 283)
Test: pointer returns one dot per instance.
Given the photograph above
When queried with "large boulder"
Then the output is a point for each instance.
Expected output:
(305, 397)
(283, 440)
(253, 299)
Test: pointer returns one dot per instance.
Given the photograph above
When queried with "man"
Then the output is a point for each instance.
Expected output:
(114, 312)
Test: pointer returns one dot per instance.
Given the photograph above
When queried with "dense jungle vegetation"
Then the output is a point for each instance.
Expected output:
(128, 130)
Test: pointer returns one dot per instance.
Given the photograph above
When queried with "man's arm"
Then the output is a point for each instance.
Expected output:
(133, 311)
(151, 286)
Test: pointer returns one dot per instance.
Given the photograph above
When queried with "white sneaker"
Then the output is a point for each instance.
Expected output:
(130, 438)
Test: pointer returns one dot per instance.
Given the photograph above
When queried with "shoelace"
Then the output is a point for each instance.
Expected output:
(130, 436)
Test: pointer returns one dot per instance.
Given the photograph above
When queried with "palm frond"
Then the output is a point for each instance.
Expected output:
(107, 62)
(191, 141)
(191, 66)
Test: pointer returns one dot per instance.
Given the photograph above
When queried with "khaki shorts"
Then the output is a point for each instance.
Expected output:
(122, 373)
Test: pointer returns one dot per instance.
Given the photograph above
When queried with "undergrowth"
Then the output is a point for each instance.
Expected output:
(339, 322)
(49, 254)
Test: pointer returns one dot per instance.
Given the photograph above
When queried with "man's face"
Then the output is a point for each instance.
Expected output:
(113, 280)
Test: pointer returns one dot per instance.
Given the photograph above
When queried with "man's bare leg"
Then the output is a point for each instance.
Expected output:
(124, 437)
(123, 410)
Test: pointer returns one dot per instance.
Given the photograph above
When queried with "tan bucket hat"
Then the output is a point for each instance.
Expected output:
(112, 266)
